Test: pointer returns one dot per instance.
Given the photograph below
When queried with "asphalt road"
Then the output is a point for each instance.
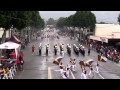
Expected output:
(42, 67)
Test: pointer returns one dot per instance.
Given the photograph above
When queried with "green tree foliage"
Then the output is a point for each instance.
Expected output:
(5, 18)
(119, 18)
(80, 19)
(50, 21)
(61, 22)
(20, 19)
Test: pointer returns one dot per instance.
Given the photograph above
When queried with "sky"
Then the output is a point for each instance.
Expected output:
(101, 16)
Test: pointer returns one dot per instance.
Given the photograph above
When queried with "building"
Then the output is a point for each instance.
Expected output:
(8, 33)
(106, 33)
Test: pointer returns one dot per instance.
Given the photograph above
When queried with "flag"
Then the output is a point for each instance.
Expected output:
(102, 58)
(57, 60)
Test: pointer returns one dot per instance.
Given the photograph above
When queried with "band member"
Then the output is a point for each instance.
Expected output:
(91, 70)
(62, 71)
(84, 74)
(55, 49)
(40, 49)
(61, 47)
(67, 73)
(70, 64)
(97, 67)
(69, 49)
(73, 65)
(61, 65)
(89, 52)
(62, 53)
(47, 47)
(83, 52)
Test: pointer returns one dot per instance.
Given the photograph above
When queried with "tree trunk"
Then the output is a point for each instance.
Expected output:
(3, 39)
(4, 36)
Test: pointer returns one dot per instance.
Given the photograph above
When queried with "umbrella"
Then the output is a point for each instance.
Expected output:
(57, 60)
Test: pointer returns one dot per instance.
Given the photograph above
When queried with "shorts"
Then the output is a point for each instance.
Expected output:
(32, 50)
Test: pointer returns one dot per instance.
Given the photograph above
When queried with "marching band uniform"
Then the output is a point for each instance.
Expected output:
(47, 46)
(73, 65)
(70, 65)
(97, 68)
(62, 52)
(40, 48)
(84, 74)
(91, 70)
(62, 71)
(55, 49)
(67, 73)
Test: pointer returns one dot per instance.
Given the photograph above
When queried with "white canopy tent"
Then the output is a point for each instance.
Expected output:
(10, 45)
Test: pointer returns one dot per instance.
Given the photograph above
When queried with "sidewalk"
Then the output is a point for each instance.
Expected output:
(94, 54)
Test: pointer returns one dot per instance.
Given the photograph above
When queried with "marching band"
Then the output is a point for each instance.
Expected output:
(71, 66)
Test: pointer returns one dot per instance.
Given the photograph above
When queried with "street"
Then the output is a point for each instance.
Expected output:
(42, 67)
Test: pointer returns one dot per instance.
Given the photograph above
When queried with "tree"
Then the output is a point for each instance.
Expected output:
(84, 19)
(61, 22)
(50, 21)
(119, 18)
(20, 20)
(5, 22)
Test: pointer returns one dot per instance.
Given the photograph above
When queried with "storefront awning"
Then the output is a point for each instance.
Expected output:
(15, 39)
(98, 38)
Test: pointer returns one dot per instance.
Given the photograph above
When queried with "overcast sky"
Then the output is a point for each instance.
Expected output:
(105, 16)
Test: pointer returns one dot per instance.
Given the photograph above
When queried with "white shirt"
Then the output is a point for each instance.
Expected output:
(62, 53)
(68, 73)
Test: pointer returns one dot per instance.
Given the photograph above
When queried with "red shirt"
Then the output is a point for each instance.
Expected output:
(33, 47)
(22, 54)
(12, 54)
(17, 61)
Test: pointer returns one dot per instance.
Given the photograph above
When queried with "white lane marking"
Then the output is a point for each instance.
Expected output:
(21, 74)
(49, 73)
(72, 74)
(99, 75)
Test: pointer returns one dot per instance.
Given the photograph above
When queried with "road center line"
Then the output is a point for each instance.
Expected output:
(49, 73)
(72, 74)
(100, 75)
